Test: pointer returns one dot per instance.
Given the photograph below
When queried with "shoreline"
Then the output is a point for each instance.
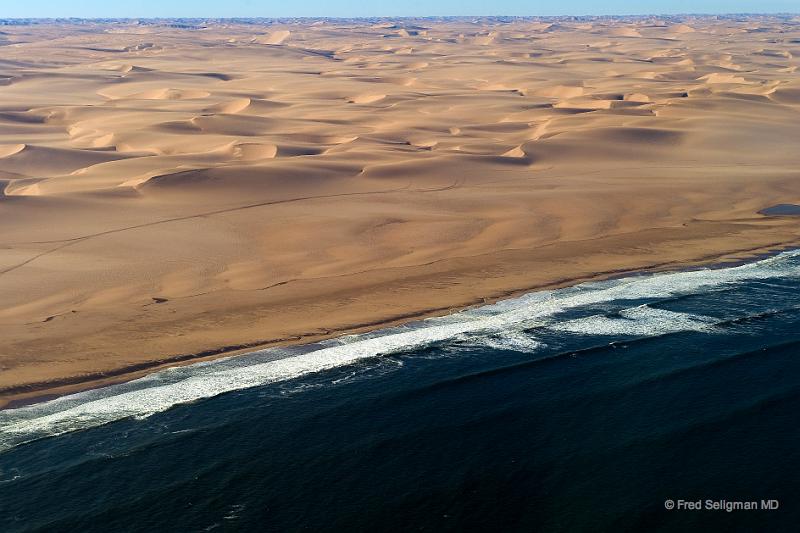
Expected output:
(329, 180)
(38, 392)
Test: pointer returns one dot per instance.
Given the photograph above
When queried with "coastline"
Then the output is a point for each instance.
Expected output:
(694, 362)
(36, 392)
(155, 214)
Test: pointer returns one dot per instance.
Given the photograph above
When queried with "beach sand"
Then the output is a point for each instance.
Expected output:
(168, 194)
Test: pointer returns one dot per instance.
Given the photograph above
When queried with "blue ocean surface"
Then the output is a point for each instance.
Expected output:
(587, 408)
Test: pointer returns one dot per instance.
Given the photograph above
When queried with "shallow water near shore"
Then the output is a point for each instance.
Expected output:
(578, 409)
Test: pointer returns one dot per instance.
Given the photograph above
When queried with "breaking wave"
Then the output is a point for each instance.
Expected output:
(621, 307)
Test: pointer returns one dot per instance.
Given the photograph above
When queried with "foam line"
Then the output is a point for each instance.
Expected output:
(502, 323)
(638, 321)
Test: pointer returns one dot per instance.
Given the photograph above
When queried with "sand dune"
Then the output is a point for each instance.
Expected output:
(285, 183)
(231, 107)
(277, 37)
(164, 93)
(624, 32)
(366, 98)
(11, 149)
(254, 151)
(38, 161)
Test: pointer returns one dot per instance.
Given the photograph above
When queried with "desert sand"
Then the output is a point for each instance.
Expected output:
(176, 191)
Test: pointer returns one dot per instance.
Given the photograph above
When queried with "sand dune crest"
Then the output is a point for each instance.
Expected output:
(254, 151)
(274, 38)
(366, 98)
(232, 107)
(10, 149)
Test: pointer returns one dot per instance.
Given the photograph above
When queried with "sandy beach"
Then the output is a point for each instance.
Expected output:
(171, 192)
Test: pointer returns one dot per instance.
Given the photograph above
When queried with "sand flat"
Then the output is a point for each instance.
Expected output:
(171, 193)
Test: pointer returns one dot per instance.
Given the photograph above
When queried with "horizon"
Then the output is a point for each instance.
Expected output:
(348, 9)
(410, 17)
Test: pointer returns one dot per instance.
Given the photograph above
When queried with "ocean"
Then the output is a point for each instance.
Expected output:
(588, 408)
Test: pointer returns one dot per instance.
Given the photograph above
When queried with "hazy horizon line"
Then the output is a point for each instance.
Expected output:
(369, 17)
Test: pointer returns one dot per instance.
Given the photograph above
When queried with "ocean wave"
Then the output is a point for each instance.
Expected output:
(501, 326)
(512, 340)
(638, 321)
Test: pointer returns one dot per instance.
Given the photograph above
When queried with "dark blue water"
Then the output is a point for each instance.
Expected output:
(581, 410)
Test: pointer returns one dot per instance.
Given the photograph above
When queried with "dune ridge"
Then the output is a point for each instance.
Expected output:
(169, 193)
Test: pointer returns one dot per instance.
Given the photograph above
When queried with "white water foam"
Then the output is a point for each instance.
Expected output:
(502, 323)
(638, 321)
(516, 341)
